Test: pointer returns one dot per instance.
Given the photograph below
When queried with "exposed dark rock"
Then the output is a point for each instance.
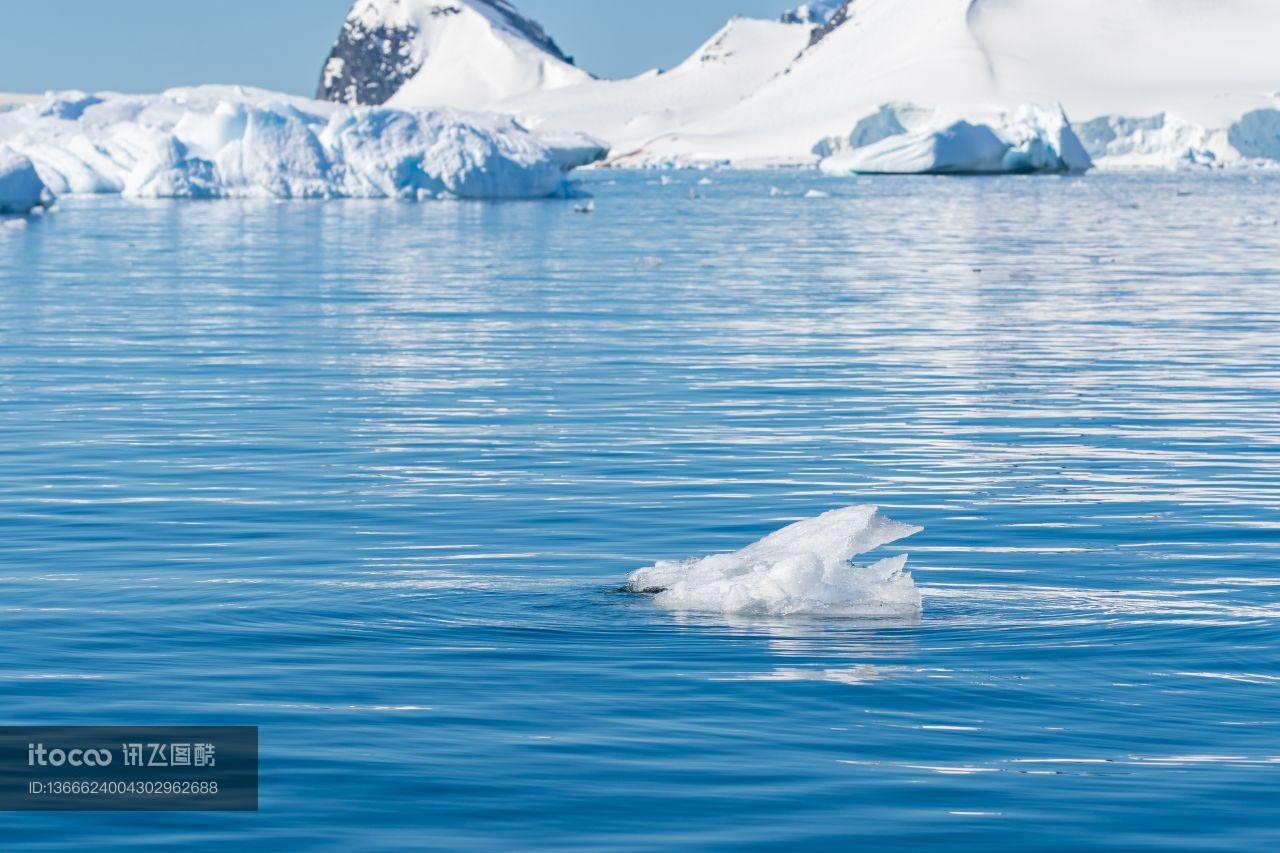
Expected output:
(841, 15)
(369, 64)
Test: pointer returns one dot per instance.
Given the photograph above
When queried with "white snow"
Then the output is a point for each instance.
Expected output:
(470, 54)
(220, 142)
(21, 189)
(805, 568)
(630, 114)
(1158, 82)
(1211, 61)
(1208, 61)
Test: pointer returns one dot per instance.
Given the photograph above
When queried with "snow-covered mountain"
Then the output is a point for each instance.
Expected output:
(1159, 73)
(428, 53)
(894, 85)
(1208, 61)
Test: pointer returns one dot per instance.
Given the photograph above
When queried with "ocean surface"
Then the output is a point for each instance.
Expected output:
(371, 476)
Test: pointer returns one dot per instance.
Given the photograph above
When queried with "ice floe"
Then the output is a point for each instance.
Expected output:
(232, 142)
(805, 568)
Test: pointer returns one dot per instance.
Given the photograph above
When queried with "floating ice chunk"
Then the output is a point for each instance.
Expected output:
(21, 189)
(904, 139)
(817, 194)
(805, 568)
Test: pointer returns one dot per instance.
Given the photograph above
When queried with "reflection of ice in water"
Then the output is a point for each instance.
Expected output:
(802, 569)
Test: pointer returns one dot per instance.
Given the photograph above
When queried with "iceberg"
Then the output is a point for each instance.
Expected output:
(231, 142)
(21, 189)
(907, 139)
(805, 568)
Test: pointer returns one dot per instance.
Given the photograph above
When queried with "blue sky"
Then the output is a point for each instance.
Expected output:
(150, 45)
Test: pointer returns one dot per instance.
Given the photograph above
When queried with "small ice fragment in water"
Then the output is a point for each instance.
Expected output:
(805, 568)
(589, 207)
(776, 191)
(817, 194)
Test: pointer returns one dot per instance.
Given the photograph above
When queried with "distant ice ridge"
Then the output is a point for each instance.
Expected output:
(232, 142)
(907, 139)
(805, 568)
(21, 189)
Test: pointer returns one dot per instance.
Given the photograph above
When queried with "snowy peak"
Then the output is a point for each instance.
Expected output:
(411, 13)
(444, 52)
(817, 12)
(828, 15)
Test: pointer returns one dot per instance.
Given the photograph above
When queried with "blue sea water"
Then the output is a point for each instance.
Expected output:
(371, 476)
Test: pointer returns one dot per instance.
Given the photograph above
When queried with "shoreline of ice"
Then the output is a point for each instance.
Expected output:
(805, 568)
